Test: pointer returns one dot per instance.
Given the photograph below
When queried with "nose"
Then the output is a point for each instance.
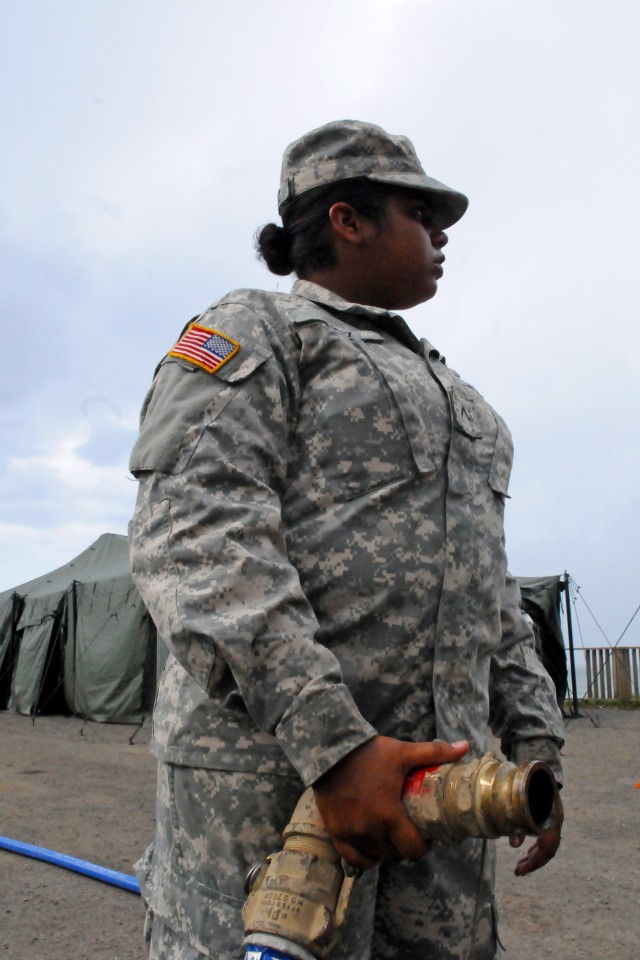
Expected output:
(438, 237)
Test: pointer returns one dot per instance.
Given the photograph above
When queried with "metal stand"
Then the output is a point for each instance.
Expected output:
(572, 657)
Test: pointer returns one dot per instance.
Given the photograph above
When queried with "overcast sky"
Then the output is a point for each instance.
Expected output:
(141, 148)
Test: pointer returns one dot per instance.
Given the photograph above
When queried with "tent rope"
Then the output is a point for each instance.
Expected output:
(607, 659)
(137, 730)
(578, 592)
(572, 601)
(627, 626)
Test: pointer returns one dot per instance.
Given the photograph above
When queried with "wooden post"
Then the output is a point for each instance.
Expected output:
(621, 674)
(589, 660)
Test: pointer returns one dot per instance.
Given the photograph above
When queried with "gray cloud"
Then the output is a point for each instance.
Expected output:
(144, 148)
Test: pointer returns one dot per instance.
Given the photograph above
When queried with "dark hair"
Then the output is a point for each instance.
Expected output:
(303, 243)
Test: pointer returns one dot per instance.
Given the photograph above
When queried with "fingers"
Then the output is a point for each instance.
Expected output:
(409, 843)
(365, 841)
(544, 849)
(517, 839)
(360, 800)
(434, 753)
(367, 852)
(538, 855)
(354, 857)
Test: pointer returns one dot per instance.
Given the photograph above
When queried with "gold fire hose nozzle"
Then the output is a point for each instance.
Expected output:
(480, 798)
(298, 899)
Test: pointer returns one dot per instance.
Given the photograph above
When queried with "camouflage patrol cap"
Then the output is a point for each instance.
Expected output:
(349, 148)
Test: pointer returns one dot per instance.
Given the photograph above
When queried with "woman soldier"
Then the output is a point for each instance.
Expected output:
(319, 539)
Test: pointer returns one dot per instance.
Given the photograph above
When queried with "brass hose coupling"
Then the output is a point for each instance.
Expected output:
(480, 798)
(298, 898)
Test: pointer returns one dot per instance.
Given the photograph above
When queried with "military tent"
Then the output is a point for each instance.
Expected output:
(541, 600)
(79, 640)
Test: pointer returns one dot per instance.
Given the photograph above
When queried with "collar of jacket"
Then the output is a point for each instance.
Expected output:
(390, 322)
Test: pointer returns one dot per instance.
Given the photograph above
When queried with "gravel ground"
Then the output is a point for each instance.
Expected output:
(83, 789)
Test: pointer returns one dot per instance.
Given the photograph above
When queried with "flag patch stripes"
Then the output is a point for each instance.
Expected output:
(207, 348)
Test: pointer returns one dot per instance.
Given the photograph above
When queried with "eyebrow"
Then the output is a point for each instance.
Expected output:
(417, 199)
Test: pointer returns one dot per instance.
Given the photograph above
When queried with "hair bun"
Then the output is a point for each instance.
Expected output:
(273, 245)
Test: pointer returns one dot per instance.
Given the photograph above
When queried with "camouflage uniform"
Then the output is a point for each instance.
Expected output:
(319, 538)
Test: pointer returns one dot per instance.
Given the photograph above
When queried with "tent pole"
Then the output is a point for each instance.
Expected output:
(74, 632)
(572, 657)
(16, 602)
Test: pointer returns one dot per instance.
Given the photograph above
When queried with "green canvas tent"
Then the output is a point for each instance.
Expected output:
(541, 600)
(79, 640)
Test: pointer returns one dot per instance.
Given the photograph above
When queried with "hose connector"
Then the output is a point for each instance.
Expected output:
(297, 899)
(488, 797)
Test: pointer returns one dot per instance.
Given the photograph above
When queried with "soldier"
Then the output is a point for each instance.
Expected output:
(319, 539)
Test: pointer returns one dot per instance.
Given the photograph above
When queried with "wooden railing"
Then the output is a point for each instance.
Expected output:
(612, 672)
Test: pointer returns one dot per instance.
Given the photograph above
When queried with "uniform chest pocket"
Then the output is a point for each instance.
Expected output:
(501, 460)
(362, 425)
(485, 436)
(412, 395)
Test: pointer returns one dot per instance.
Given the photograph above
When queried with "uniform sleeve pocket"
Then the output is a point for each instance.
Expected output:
(183, 400)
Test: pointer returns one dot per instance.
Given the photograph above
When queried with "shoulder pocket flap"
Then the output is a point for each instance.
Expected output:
(247, 359)
(299, 316)
(366, 336)
(242, 365)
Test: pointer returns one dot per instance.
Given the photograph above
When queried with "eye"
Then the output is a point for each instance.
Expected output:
(422, 214)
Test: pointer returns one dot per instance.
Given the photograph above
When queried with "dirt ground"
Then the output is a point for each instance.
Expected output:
(83, 789)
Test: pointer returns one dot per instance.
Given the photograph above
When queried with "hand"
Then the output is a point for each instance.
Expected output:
(360, 799)
(545, 846)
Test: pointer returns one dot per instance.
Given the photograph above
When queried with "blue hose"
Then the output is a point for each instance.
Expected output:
(255, 952)
(114, 877)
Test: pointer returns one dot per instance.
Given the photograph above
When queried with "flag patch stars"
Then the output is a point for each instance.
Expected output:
(206, 348)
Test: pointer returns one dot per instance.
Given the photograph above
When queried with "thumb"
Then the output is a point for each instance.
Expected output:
(433, 753)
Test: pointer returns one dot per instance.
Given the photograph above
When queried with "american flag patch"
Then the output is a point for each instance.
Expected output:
(204, 347)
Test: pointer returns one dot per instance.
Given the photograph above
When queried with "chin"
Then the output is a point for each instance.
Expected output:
(418, 298)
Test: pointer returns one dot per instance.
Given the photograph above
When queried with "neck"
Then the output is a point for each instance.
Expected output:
(348, 285)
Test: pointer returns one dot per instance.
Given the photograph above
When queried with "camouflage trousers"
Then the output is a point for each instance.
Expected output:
(213, 825)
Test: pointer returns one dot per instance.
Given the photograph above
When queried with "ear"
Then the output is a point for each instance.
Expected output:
(347, 224)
